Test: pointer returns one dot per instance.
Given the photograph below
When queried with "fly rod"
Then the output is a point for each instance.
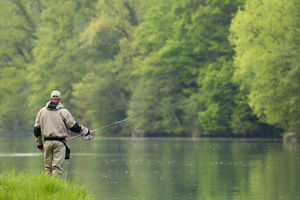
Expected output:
(114, 123)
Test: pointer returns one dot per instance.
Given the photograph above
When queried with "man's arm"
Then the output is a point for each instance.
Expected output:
(38, 133)
(74, 126)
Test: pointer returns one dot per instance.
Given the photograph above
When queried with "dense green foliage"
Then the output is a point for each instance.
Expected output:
(114, 59)
(23, 186)
(266, 36)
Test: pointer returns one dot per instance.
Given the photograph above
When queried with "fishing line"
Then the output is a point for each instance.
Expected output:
(152, 111)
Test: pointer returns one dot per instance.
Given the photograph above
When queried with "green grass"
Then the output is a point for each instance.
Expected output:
(19, 186)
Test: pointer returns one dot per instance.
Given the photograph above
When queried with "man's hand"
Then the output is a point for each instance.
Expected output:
(40, 148)
(90, 135)
(92, 132)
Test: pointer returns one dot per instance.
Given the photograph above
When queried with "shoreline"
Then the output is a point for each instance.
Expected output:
(192, 138)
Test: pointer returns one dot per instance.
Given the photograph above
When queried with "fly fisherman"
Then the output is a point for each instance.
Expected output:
(51, 130)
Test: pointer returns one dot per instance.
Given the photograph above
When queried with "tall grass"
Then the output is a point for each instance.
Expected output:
(24, 186)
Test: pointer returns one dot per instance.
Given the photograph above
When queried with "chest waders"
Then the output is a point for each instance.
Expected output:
(62, 140)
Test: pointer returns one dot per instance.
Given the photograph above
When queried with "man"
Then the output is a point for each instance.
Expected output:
(50, 131)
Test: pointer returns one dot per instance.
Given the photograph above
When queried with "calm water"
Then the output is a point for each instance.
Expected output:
(162, 169)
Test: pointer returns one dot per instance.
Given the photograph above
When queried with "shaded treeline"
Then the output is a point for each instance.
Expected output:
(233, 64)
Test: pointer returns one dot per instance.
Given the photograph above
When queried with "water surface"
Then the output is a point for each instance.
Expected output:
(162, 169)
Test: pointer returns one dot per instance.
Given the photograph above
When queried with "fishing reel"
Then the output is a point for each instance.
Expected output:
(88, 137)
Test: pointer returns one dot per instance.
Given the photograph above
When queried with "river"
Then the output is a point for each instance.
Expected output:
(170, 169)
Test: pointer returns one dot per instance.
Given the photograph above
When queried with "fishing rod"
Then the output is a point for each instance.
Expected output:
(115, 123)
(147, 112)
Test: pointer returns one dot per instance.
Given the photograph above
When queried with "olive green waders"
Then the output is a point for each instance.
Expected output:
(54, 157)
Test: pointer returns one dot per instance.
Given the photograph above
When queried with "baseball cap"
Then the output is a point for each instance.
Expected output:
(55, 94)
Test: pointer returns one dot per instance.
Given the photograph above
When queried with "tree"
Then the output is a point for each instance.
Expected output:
(59, 60)
(183, 46)
(158, 74)
(108, 34)
(18, 26)
(266, 39)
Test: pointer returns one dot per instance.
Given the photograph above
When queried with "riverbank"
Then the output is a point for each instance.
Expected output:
(24, 186)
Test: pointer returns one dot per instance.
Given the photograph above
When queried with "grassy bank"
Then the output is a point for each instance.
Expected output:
(23, 186)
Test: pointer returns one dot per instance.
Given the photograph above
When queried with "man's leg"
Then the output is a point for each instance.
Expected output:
(59, 153)
(48, 156)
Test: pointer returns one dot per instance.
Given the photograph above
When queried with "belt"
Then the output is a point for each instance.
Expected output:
(54, 138)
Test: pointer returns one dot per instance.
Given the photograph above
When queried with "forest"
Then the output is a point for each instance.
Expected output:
(198, 68)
